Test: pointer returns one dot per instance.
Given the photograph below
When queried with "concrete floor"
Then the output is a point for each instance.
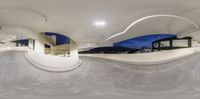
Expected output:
(100, 79)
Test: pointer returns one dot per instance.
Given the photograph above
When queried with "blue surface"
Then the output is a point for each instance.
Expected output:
(142, 41)
(60, 39)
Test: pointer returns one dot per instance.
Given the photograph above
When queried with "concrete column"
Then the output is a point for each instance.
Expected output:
(31, 43)
(39, 43)
(73, 49)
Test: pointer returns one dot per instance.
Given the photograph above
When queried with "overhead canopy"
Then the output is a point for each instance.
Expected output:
(75, 18)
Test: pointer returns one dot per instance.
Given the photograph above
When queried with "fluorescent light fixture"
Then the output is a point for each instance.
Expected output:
(100, 23)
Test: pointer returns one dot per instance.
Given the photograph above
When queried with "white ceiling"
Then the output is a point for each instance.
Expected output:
(75, 18)
(10, 33)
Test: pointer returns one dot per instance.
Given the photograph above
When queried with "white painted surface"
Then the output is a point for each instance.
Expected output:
(73, 50)
(13, 49)
(180, 43)
(195, 34)
(52, 63)
(39, 46)
(10, 33)
(47, 62)
(39, 43)
(86, 46)
(147, 58)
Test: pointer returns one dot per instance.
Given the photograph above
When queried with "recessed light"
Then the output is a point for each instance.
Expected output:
(14, 37)
(100, 23)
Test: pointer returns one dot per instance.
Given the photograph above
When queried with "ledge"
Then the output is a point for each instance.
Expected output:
(13, 49)
(52, 63)
(147, 58)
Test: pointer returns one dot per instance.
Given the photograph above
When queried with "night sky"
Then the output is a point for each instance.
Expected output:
(142, 41)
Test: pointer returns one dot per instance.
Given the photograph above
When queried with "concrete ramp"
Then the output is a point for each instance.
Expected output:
(99, 79)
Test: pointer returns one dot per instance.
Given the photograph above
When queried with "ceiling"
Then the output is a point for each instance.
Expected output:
(8, 33)
(75, 18)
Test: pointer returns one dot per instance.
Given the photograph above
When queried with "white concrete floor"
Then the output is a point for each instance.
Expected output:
(99, 79)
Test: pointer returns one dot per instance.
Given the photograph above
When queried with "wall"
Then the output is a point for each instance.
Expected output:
(39, 43)
(55, 63)
(147, 58)
(73, 50)
(30, 43)
(195, 34)
(13, 49)
(87, 46)
(52, 63)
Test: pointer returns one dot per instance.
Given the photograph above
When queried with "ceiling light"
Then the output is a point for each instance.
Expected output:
(14, 37)
(100, 23)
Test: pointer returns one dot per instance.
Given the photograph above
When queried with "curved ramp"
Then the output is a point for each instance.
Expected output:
(99, 79)
(52, 63)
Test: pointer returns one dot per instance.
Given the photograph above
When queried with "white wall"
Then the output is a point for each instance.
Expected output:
(13, 49)
(39, 46)
(147, 58)
(39, 43)
(87, 46)
(54, 63)
(195, 34)
(73, 50)
(8, 44)
(180, 43)
(195, 44)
